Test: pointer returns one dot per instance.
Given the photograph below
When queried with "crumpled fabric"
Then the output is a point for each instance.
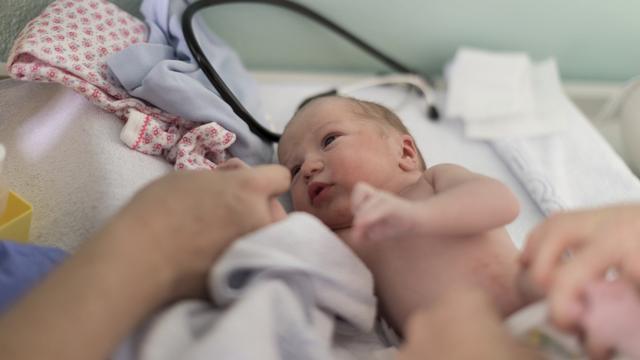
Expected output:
(69, 43)
(163, 72)
(291, 290)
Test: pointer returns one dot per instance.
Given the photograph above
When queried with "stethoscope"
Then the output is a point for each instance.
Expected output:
(406, 76)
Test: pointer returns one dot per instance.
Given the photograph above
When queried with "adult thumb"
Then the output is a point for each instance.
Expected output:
(271, 180)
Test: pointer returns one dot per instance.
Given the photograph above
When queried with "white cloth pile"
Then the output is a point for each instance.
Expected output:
(291, 290)
(64, 157)
(504, 95)
(523, 113)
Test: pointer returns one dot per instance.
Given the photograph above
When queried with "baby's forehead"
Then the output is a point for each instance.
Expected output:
(329, 108)
(326, 104)
(318, 112)
(310, 118)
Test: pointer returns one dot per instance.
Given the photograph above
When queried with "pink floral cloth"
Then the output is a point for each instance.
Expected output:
(68, 43)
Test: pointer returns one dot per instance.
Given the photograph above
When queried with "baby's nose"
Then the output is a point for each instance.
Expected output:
(311, 168)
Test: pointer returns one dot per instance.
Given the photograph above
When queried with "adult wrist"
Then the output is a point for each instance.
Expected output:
(135, 249)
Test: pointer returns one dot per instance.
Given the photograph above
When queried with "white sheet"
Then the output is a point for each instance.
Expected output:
(64, 156)
(293, 289)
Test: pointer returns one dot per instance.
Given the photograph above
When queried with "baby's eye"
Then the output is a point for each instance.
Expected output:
(328, 140)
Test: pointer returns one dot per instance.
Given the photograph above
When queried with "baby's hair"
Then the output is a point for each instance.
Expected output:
(375, 111)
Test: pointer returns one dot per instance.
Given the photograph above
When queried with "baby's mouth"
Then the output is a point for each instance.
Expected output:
(316, 191)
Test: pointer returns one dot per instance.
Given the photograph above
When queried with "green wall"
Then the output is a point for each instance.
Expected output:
(591, 39)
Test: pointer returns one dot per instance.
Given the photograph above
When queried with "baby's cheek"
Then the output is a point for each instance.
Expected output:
(298, 199)
(296, 202)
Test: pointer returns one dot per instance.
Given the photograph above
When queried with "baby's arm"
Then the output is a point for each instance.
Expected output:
(464, 203)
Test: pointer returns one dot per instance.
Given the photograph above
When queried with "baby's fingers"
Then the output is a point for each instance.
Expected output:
(368, 222)
(362, 192)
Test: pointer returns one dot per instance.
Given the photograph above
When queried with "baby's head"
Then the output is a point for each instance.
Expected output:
(334, 142)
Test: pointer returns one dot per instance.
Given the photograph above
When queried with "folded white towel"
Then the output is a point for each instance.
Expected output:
(571, 169)
(502, 95)
(548, 116)
(483, 85)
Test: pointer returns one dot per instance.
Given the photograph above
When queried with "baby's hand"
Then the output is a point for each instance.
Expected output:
(611, 320)
(380, 215)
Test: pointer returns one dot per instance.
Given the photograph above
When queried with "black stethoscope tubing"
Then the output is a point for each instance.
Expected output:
(226, 93)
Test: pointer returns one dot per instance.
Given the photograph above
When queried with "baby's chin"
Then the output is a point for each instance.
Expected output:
(335, 222)
(335, 215)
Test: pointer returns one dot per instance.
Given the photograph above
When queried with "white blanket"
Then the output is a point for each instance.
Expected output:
(64, 156)
(570, 170)
(292, 290)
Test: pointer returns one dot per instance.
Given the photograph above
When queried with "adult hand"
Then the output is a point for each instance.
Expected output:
(158, 248)
(463, 324)
(191, 216)
(277, 210)
(571, 250)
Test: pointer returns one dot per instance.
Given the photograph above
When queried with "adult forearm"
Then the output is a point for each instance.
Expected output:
(470, 208)
(157, 249)
(89, 304)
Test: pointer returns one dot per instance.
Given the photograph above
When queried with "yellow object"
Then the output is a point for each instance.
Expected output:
(16, 220)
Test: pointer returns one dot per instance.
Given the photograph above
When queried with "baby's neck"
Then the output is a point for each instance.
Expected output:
(344, 234)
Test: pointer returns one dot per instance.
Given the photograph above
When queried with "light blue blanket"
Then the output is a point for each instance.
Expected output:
(22, 266)
(164, 73)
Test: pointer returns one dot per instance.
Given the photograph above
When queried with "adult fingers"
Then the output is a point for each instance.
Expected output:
(232, 164)
(527, 287)
(631, 264)
(568, 286)
(549, 242)
(270, 180)
(277, 210)
(536, 238)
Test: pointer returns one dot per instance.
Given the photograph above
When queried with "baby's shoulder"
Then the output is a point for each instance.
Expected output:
(444, 176)
(444, 170)
(422, 188)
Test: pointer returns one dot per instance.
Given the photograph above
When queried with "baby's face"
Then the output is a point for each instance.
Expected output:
(329, 148)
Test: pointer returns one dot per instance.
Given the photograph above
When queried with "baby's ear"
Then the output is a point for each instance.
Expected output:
(410, 158)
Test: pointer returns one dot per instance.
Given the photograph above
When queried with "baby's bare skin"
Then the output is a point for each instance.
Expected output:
(444, 227)
(412, 269)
